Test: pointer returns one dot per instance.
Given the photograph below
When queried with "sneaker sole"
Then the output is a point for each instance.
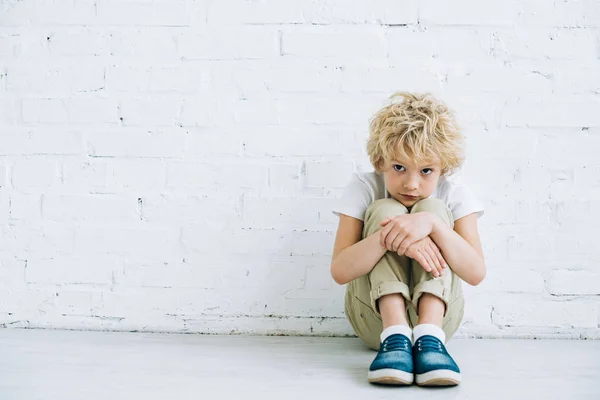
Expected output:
(440, 377)
(390, 376)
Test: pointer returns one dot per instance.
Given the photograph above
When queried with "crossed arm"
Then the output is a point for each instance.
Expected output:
(425, 237)
(461, 247)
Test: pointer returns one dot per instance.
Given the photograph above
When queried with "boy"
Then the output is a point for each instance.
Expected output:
(406, 238)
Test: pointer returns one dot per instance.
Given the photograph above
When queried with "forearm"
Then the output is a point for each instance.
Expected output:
(357, 260)
(461, 257)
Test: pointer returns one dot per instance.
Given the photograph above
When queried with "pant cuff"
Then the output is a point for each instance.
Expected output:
(434, 287)
(389, 288)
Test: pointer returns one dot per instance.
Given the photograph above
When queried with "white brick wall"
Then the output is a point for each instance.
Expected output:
(172, 165)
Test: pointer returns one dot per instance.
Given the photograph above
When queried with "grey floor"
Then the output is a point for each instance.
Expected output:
(52, 364)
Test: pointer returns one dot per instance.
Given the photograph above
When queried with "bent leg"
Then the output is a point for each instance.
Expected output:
(447, 287)
(390, 275)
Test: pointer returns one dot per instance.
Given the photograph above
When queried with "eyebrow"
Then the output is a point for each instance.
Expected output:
(424, 166)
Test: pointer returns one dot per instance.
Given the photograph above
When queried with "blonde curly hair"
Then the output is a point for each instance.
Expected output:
(420, 128)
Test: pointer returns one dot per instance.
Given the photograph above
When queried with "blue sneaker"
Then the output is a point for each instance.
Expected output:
(433, 364)
(393, 364)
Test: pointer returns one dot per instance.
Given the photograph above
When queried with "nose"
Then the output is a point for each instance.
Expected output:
(411, 185)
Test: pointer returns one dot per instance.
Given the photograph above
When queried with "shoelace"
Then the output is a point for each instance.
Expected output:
(430, 343)
(396, 342)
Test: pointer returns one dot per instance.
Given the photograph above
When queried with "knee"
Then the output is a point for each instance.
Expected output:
(383, 208)
(435, 206)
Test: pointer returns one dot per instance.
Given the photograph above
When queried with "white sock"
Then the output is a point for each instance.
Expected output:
(390, 330)
(429, 329)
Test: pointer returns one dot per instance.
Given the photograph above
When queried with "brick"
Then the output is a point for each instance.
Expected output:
(237, 175)
(197, 113)
(141, 303)
(56, 80)
(312, 243)
(270, 276)
(469, 12)
(46, 140)
(149, 241)
(290, 180)
(285, 212)
(234, 12)
(76, 302)
(80, 42)
(138, 174)
(256, 111)
(177, 79)
(45, 239)
(413, 43)
(203, 142)
(11, 111)
(48, 111)
(184, 209)
(255, 42)
(34, 175)
(171, 274)
(294, 76)
(153, 112)
(84, 175)
(347, 110)
(362, 11)
(144, 43)
(544, 44)
(531, 246)
(537, 313)
(514, 280)
(3, 175)
(92, 110)
(294, 142)
(572, 282)
(135, 142)
(136, 12)
(580, 78)
(50, 12)
(562, 13)
(552, 113)
(355, 79)
(25, 207)
(339, 42)
(70, 269)
(90, 207)
(488, 77)
(329, 174)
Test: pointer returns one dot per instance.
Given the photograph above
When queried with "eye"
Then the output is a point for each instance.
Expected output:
(428, 169)
(398, 167)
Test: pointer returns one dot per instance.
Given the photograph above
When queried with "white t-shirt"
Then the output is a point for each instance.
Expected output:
(366, 187)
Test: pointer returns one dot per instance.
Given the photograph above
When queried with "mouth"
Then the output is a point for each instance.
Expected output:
(408, 197)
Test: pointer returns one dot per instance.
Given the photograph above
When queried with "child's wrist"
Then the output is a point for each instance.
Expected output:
(435, 223)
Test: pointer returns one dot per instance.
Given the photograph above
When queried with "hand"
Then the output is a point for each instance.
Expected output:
(401, 231)
(426, 253)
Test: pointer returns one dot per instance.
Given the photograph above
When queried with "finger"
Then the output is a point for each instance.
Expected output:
(396, 243)
(385, 221)
(421, 260)
(406, 242)
(439, 256)
(434, 270)
(383, 235)
(434, 259)
(391, 238)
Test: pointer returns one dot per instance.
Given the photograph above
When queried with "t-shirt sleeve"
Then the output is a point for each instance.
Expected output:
(355, 199)
(462, 202)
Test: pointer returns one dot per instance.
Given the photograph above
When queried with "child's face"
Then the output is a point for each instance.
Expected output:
(404, 178)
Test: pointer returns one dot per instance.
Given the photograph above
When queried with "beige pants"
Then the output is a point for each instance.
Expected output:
(400, 274)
